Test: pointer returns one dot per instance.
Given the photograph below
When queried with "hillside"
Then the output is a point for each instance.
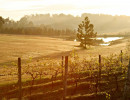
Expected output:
(103, 23)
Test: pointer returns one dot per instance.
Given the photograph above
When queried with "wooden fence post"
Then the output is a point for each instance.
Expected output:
(19, 79)
(100, 67)
(127, 84)
(121, 56)
(65, 77)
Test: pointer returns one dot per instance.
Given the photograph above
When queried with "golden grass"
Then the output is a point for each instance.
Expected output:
(24, 46)
(14, 46)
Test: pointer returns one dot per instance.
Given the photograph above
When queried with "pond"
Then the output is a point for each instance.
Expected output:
(107, 40)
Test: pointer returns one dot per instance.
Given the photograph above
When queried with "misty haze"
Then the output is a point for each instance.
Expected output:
(64, 50)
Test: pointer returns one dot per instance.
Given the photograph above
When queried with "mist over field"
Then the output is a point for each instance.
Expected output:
(102, 23)
(62, 24)
(64, 50)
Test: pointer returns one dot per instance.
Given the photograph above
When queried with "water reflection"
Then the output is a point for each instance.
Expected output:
(106, 40)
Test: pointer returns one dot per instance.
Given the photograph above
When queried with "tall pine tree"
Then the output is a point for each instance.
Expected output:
(86, 33)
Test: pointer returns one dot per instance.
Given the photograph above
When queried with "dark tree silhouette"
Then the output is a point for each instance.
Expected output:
(1, 22)
(86, 33)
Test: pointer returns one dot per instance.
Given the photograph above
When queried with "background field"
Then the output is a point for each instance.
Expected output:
(26, 46)
(14, 46)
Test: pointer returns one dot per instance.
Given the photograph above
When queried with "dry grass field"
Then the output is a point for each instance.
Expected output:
(37, 47)
(14, 46)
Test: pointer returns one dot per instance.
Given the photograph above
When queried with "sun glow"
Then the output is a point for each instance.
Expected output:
(18, 8)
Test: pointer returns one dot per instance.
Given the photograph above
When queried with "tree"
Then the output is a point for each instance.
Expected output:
(86, 33)
(23, 22)
(1, 22)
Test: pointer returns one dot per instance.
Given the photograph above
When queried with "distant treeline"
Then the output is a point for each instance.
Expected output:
(61, 24)
(102, 23)
(26, 27)
(45, 31)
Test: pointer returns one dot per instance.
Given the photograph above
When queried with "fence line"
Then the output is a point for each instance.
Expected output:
(100, 67)
(65, 77)
(121, 57)
(65, 73)
(19, 79)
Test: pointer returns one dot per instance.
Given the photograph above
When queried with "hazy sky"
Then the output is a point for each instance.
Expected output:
(15, 9)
